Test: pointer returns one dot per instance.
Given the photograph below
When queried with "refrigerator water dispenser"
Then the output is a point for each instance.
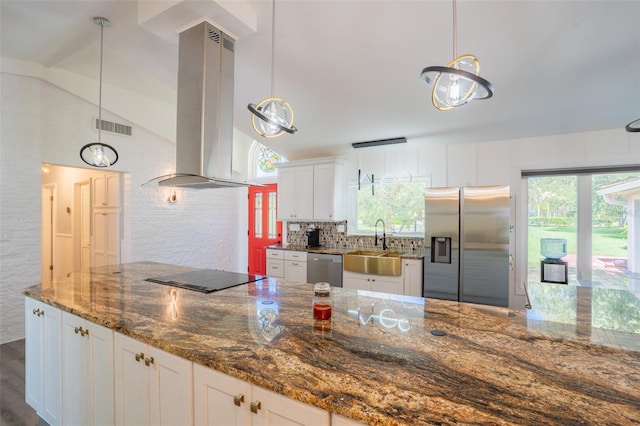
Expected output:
(440, 249)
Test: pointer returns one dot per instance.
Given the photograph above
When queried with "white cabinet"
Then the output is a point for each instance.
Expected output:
(311, 190)
(295, 266)
(42, 360)
(152, 387)
(370, 282)
(295, 193)
(275, 263)
(106, 191)
(225, 400)
(412, 272)
(87, 372)
(106, 237)
(329, 202)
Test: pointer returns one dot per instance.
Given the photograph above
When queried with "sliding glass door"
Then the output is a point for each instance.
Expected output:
(587, 222)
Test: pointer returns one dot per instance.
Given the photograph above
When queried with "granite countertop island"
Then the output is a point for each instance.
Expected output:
(382, 361)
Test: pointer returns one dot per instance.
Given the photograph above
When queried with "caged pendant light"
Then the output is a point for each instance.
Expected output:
(98, 154)
(459, 82)
(272, 117)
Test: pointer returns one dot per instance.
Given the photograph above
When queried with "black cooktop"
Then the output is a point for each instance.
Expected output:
(206, 280)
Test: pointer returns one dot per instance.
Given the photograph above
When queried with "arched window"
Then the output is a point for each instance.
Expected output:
(262, 161)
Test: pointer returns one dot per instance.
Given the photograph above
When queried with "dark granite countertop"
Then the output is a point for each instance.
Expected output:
(379, 361)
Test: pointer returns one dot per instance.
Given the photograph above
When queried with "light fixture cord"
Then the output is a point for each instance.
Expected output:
(455, 32)
(273, 44)
(100, 90)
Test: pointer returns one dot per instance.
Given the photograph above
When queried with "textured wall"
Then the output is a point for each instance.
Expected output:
(43, 124)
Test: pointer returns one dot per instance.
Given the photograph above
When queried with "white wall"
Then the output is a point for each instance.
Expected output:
(500, 163)
(41, 123)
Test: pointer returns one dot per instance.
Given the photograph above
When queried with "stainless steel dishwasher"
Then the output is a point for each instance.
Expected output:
(324, 268)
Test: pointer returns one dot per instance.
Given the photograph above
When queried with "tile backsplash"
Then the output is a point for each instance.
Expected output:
(331, 238)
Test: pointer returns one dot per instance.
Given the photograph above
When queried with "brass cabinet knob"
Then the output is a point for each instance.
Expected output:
(38, 312)
(255, 407)
(84, 332)
(148, 361)
(238, 399)
(139, 356)
(77, 330)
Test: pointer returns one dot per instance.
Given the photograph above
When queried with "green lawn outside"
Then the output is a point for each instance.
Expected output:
(609, 241)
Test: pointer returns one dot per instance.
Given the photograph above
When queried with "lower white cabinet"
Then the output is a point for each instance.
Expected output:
(152, 387)
(413, 277)
(224, 400)
(337, 420)
(295, 266)
(87, 372)
(275, 263)
(370, 282)
(43, 364)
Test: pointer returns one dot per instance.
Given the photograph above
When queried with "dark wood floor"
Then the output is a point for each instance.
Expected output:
(13, 409)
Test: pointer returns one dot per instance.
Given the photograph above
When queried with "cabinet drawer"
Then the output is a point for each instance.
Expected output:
(299, 256)
(275, 268)
(275, 254)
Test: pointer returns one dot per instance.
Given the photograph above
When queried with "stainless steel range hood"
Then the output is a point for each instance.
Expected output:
(204, 136)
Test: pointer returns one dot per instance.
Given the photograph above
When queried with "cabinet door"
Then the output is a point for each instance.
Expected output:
(76, 371)
(295, 271)
(34, 353)
(275, 268)
(220, 399)
(171, 388)
(106, 237)
(43, 365)
(106, 191)
(304, 192)
(337, 420)
(355, 282)
(413, 277)
(286, 193)
(101, 374)
(324, 203)
(384, 284)
(132, 399)
(272, 409)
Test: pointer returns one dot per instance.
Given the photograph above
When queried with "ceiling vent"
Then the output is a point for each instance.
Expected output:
(113, 127)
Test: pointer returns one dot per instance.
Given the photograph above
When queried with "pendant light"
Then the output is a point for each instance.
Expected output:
(633, 126)
(459, 82)
(98, 154)
(272, 117)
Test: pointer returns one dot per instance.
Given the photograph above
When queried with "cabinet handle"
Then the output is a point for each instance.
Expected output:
(139, 356)
(255, 407)
(148, 361)
(238, 399)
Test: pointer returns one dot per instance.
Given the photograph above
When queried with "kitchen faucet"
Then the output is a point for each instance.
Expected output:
(384, 234)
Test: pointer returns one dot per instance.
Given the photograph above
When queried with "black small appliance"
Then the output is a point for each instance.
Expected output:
(313, 238)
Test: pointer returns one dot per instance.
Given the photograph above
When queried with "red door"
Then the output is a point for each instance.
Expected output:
(264, 229)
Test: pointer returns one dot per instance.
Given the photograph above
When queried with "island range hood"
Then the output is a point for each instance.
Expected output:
(204, 127)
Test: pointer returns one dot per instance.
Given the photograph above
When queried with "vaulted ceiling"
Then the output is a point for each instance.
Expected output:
(351, 68)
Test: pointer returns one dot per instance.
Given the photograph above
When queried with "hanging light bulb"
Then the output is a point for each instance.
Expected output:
(272, 117)
(459, 82)
(98, 154)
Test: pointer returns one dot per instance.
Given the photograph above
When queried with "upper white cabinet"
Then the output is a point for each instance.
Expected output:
(328, 192)
(106, 191)
(152, 387)
(311, 190)
(43, 386)
(87, 372)
(295, 193)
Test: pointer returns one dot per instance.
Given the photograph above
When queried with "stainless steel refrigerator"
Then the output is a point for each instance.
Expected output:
(467, 244)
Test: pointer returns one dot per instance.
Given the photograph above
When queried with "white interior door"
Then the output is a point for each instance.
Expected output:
(48, 223)
(85, 227)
